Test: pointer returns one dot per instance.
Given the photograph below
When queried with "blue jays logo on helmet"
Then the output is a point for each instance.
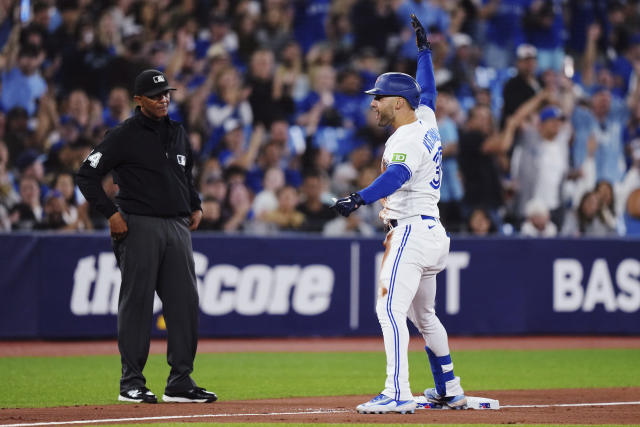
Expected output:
(397, 84)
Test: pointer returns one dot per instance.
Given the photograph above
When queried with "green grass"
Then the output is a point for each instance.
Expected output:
(94, 379)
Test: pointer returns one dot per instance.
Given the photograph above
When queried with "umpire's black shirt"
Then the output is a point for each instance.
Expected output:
(151, 163)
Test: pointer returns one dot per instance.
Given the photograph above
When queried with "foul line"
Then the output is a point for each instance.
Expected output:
(570, 404)
(175, 417)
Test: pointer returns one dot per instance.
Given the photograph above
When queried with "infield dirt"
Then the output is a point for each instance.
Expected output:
(340, 409)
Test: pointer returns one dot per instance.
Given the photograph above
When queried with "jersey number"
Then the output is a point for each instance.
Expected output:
(94, 159)
(437, 159)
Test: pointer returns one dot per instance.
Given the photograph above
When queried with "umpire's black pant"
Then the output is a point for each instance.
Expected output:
(156, 255)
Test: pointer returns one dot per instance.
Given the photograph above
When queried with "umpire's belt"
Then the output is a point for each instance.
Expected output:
(393, 223)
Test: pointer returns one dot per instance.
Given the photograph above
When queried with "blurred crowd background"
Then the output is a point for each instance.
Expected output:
(538, 108)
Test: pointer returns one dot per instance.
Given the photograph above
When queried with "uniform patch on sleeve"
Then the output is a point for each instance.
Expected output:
(94, 159)
(398, 157)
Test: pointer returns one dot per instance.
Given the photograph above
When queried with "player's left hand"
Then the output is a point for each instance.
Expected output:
(194, 221)
(421, 35)
(346, 205)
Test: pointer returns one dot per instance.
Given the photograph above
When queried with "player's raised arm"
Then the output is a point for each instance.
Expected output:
(424, 73)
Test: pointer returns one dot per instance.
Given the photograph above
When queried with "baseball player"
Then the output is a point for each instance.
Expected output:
(416, 245)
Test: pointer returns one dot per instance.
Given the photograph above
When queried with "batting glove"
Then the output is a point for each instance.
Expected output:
(346, 205)
(421, 35)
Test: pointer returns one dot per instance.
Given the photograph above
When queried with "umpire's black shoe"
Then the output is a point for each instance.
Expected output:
(138, 395)
(195, 395)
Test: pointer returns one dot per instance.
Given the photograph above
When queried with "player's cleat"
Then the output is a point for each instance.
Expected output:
(382, 404)
(195, 395)
(138, 395)
(454, 402)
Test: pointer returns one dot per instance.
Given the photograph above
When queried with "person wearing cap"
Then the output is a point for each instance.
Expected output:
(155, 209)
(540, 160)
(521, 87)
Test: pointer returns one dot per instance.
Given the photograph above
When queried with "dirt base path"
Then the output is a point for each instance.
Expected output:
(341, 410)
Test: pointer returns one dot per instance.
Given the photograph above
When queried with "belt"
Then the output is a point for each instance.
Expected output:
(393, 223)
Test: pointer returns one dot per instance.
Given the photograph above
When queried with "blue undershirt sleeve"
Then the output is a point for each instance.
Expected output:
(426, 79)
(385, 184)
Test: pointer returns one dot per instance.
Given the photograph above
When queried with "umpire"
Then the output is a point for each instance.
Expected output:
(157, 206)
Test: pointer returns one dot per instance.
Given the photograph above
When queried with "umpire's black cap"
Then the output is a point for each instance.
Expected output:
(150, 83)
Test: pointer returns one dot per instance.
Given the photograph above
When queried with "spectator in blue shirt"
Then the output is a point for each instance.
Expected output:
(278, 152)
(319, 108)
(219, 33)
(583, 14)
(310, 21)
(229, 101)
(351, 101)
(608, 129)
(504, 30)
(22, 84)
(544, 27)
(118, 107)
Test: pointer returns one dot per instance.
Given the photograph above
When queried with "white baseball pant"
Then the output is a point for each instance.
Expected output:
(415, 252)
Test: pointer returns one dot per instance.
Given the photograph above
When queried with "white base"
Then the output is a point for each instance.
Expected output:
(472, 403)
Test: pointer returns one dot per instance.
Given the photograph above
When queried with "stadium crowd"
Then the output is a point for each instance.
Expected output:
(538, 108)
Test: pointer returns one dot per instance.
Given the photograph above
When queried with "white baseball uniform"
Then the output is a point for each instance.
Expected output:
(416, 250)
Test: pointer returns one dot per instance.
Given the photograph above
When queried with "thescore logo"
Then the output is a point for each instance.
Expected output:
(569, 294)
(252, 290)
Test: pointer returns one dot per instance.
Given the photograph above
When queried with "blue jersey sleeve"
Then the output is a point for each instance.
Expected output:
(385, 184)
(426, 79)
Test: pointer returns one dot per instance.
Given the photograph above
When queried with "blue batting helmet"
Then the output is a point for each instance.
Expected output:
(397, 84)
